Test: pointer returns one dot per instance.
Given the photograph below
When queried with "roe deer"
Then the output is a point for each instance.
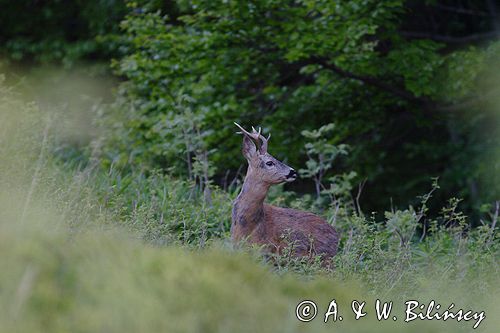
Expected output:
(275, 228)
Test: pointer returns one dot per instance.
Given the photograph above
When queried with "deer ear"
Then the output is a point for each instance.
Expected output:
(248, 149)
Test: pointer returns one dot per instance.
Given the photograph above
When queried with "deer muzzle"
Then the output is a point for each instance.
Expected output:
(292, 175)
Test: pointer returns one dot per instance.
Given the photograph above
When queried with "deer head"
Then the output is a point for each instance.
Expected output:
(261, 165)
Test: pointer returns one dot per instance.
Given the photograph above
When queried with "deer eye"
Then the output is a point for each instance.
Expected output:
(269, 163)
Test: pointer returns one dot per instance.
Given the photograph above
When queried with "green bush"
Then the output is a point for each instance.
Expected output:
(59, 31)
(402, 104)
(85, 248)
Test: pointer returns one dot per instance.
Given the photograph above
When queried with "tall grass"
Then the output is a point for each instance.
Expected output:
(90, 249)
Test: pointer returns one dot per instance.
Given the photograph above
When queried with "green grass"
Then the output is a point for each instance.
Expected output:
(86, 249)
(58, 279)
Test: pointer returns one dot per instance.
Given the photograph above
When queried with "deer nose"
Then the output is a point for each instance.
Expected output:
(292, 174)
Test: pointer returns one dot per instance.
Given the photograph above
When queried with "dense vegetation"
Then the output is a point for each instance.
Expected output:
(87, 248)
(407, 83)
(410, 108)
(116, 216)
(48, 31)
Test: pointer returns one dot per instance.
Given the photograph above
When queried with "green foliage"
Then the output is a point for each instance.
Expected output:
(100, 238)
(131, 233)
(321, 154)
(399, 102)
(59, 282)
(59, 31)
(69, 234)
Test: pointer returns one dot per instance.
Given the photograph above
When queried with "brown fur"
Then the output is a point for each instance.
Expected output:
(275, 228)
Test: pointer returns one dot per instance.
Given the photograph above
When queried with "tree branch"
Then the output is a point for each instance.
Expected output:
(394, 90)
(402, 92)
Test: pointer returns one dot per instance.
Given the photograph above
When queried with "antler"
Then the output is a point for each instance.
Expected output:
(256, 137)
(264, 141)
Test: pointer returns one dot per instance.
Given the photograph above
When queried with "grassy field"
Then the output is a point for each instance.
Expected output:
(91, 249)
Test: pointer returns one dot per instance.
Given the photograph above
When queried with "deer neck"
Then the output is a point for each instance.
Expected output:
(249, 205)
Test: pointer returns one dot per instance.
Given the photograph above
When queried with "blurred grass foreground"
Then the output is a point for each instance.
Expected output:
(86, 250)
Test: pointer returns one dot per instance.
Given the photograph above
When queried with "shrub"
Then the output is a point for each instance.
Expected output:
(397, 101)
